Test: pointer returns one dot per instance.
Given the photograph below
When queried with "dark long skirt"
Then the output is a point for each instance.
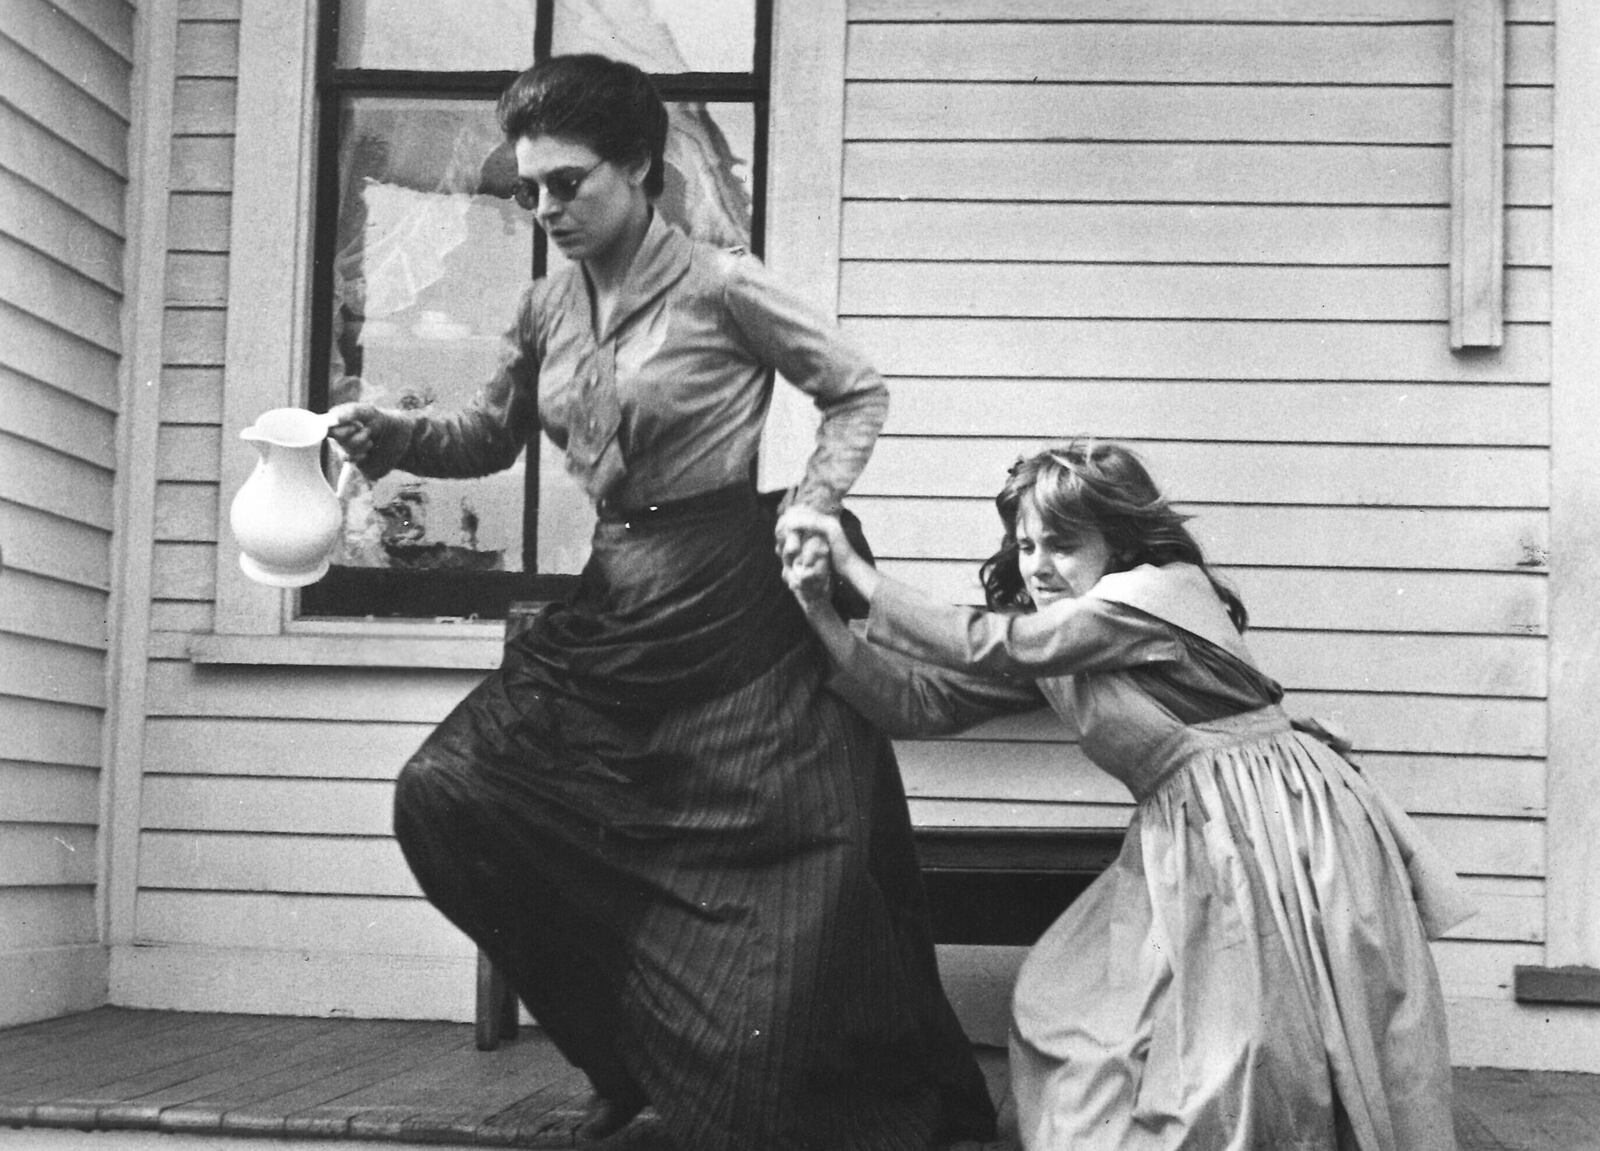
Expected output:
(692, 862)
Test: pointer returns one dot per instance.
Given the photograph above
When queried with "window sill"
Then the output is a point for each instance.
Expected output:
(460, 646)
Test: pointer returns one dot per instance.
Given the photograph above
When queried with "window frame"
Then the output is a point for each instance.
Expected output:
(406, 594)
(267, 354)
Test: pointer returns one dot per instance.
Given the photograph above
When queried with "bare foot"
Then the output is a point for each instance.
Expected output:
(603, 1117)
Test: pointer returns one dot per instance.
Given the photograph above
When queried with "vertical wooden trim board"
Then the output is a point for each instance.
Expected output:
(143, 324)
(805, 153)
(268, 257)
(1573, 784)
(1477, 241)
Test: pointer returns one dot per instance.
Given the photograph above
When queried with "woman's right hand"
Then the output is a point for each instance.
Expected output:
(800, 523)
(809, 573)
(356, 427)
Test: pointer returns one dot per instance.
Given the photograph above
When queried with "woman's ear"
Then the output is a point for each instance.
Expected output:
(636, 170)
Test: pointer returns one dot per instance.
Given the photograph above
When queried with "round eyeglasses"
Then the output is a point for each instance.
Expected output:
(563, 186)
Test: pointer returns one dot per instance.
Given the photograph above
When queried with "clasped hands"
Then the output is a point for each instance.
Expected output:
(814, 548)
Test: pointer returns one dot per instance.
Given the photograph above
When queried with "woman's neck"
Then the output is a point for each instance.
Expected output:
(609, 269)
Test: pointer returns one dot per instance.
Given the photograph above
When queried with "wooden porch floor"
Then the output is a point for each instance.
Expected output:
(115, 1069)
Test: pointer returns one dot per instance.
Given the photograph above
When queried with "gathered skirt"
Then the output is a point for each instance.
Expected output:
(1252, 973)
(695, 865)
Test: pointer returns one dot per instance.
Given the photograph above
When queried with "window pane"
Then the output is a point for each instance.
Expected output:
(426, 36)
(430, 259)
(661, 35)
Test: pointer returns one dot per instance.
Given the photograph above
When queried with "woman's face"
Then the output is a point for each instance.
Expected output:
(609, 196)
(1056, 567)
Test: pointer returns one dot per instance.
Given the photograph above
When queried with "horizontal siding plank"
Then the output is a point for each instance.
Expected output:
(1481, 969)
(32, 668)
(288, 864)
(1191, 11)
(51, 482)
(1175, 173)
(194, 337)
(60, 295)
(1465, 603)
(307, 923)
(281, 806)
(46, 855)
(1044, 772)
(53, 227)
(229, 9)
(49, 609)
(45, 162)
(1193, 349)
(1431, 725)
(184, 572)
(60, 105)
(206, 107)
(191, 395)
(1505, 666)
(1470, 603)
(197, 278)
(202, 164)
(181, 688)
(1508, 910)
(199, 222)
(74, 51)
(1172, 112)
(186, 512)
(1171, 233)
(111, 22)
(1102, 290)
(311, 749)
(1122, 52)
(58, 420)
(54, 548)
(50, 733)
(38, 917)
(1270, 410)
(1377, 724)
(1431, 539)
(58, 358)
(37, 793)
(168, 617)
(1323, 474)
(189, 453)
(208, 47)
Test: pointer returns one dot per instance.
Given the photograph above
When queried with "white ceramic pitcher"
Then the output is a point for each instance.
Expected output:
(286, 518)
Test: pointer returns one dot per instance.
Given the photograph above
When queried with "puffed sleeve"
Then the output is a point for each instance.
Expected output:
(486, 435)
(908, 699)
(1062, 638)
(804, 345)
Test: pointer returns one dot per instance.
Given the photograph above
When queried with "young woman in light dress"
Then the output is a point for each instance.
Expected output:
(1253, 971)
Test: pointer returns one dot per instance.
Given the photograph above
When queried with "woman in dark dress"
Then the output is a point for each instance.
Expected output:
(694, 864)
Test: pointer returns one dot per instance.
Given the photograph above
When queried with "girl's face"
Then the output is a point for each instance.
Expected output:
(605, 197)
(1056, 567)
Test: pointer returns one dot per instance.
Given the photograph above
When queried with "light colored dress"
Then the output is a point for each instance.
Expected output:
(1253, 971)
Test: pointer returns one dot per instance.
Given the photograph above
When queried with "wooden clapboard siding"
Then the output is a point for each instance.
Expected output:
(900, 110)
(1281, 411)
(65, 109)
(1171, 233)
(1191, 11)
(1221, 232)
(1103, 291)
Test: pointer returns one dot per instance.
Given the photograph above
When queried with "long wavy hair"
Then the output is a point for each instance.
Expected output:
(1101, 485)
